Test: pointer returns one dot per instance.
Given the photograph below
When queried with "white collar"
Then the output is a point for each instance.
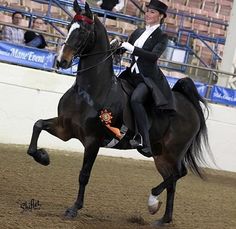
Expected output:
(152, 28)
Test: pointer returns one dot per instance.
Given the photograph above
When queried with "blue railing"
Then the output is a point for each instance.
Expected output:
(45, 60)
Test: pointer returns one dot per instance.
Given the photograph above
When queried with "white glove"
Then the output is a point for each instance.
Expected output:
(128, 47)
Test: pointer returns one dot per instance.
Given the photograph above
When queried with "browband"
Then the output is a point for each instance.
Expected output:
(79, 17)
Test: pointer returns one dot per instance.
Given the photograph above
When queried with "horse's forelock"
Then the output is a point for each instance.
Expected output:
(74, 26)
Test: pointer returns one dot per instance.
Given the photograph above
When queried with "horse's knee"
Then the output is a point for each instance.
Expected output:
(83, 178)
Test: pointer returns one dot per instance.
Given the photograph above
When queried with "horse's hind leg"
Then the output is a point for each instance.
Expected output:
(171, 196)
(169, 184)
(53, 127)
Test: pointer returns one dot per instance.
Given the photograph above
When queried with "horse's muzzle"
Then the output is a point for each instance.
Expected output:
(62, 64)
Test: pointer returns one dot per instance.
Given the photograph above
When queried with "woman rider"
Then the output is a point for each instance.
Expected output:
(146, 46)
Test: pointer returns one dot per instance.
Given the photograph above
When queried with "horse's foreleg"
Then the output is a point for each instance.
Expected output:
(53, 127)
(90, 155)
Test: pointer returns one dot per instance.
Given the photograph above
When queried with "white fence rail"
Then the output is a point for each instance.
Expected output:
(27, 95)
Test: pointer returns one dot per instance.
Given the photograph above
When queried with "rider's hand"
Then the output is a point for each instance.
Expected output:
(128, 47)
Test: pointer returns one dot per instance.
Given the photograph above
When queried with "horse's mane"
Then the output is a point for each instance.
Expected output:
(100, 29)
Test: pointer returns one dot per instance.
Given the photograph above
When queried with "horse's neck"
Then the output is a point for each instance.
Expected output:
(97, 80)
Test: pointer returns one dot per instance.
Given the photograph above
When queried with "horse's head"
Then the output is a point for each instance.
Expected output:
(80, 38)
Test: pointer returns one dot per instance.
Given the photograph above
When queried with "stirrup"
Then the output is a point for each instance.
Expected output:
(135, 142)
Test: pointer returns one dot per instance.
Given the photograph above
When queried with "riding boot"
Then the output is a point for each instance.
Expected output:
(141, 140)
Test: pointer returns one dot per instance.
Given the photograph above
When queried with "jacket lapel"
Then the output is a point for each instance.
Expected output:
(152, 39)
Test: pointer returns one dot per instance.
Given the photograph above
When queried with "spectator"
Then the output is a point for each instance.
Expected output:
(35, 39)
(11, 34)
(112, 5)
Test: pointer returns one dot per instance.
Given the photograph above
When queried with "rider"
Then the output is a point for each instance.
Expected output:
(146, 46)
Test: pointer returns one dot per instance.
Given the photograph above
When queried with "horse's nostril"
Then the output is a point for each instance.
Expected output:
(62, 64)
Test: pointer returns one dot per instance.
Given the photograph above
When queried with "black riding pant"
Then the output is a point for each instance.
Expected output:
(138, 99)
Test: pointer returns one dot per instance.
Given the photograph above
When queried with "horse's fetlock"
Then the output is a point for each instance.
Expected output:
(31, 152)
(156, 191)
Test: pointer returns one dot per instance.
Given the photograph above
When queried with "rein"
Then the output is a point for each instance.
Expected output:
(113, 50)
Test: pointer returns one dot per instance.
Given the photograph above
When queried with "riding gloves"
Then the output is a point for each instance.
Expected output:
(128, 47)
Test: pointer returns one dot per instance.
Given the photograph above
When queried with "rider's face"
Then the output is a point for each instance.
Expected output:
(152, 17)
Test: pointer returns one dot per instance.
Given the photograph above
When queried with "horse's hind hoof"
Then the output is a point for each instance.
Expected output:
(153, 204)
(70, 213)
(161, 222)
(41, 157)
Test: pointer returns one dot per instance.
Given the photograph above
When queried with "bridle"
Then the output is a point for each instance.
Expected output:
(83, 18)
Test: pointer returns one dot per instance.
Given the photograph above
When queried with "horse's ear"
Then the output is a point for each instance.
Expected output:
(88, 11)
(77, 7)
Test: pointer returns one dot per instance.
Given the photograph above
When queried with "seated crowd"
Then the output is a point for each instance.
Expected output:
(20, 36)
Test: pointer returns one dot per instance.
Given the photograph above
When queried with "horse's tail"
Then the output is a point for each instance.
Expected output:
(194, 156)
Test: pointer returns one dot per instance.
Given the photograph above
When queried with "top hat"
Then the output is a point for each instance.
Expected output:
(158, 5)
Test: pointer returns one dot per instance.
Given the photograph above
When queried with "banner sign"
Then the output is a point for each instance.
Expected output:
(202, 88)
(171, 81)
(223, 95)
(27, 56)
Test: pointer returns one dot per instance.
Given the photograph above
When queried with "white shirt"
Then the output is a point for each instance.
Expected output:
(140, 42)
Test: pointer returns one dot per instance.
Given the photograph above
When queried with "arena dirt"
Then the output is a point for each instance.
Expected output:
(116, 196)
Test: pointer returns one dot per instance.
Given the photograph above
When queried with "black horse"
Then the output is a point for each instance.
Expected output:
(95, 107)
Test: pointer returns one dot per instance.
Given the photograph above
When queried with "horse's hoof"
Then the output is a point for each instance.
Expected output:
(41, 156)
(161, 222)
(153, 204)
(70, 213)
(154, 208)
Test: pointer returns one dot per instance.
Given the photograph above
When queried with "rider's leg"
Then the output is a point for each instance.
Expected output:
(138, 98)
